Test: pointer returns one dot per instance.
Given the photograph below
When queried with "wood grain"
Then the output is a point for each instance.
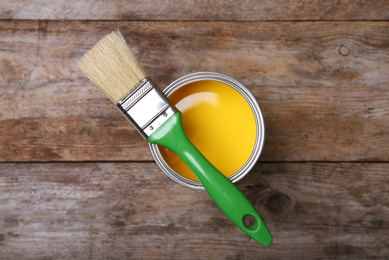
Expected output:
(78, 182)
(160, 10)
(133, 211)
(323, 87)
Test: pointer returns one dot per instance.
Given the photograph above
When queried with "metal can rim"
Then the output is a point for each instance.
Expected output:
(260, 134)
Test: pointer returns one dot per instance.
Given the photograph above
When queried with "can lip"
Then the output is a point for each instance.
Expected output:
(260, 135)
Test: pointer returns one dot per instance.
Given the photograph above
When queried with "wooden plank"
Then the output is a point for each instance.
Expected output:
(133, 211)
(323, 86)
(195, 10)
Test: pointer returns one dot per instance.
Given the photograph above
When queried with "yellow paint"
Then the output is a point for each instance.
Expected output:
(218, 121)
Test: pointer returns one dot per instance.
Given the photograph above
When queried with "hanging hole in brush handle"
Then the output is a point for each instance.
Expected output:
(249, 221)
(226, 195)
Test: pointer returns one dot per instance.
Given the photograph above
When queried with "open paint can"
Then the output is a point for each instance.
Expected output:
(222, 119)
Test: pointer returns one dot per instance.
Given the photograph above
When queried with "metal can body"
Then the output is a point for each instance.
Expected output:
(257, 147)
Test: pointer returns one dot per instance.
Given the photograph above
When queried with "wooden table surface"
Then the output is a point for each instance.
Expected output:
(78, 182)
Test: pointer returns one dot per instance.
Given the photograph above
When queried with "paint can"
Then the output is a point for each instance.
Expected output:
(222, 119)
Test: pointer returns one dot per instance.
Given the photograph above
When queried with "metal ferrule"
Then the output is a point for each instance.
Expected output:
(146, 107)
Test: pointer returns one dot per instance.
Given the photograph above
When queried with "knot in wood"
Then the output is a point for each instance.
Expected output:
(278, 203)
(344, 50)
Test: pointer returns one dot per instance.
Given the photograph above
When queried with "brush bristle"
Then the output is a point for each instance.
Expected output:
(112, 67)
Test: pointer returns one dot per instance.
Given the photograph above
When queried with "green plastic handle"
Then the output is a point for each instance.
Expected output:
(226, 195)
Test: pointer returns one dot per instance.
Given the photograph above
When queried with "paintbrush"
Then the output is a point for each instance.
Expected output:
(112, 67)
